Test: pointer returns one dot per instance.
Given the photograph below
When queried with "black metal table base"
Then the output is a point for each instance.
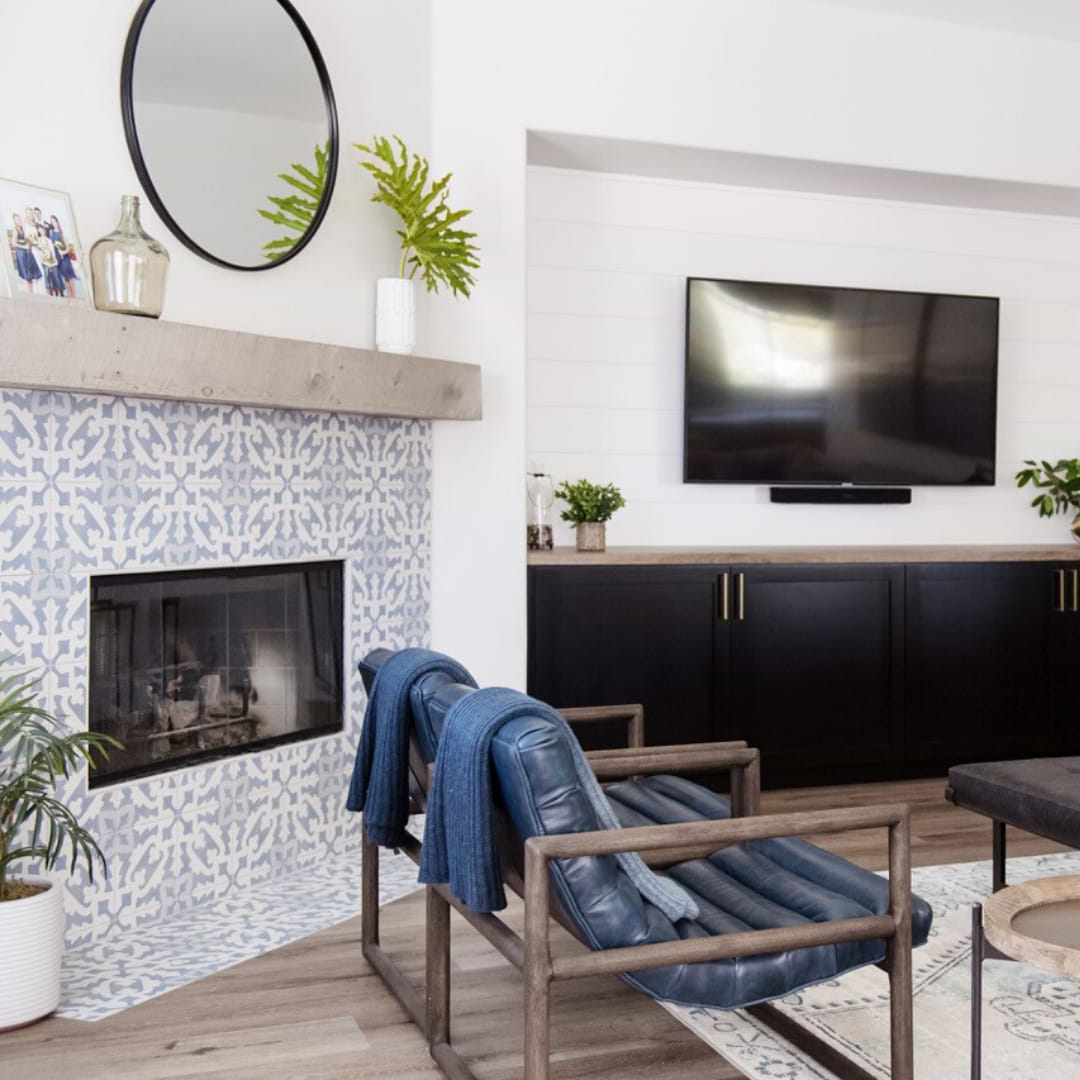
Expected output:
(981, 950)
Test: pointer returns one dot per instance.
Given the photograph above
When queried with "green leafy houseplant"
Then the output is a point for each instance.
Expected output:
(586, 501)
(430, 244)
(1059, 486)
(296, 212)
(35, 755)
(588, 507)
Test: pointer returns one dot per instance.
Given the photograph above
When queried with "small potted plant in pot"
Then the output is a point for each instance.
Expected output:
(588, 507)
(1060, 484)
(35, 755)
(430, 244)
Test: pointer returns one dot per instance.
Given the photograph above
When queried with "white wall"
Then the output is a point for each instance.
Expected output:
(65, 132)
(607, 261)
(765, 76)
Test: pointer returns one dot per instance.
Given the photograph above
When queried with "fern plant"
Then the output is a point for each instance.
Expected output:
(296, 212)
(587, 502)
(1060, 484)
(430, 244)
(35, 755)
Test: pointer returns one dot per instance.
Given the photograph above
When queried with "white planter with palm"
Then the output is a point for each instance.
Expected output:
(35, 756)
(430, 245)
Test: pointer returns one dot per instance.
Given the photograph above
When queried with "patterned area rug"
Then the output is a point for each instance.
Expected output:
(128, 968)
(1031, 1019)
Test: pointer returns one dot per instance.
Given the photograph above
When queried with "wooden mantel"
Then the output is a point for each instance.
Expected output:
(53, 347)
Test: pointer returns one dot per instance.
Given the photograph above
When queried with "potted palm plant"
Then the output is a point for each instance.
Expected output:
(1060, 488)
(430, 244)
(588, 508)
(35, 756)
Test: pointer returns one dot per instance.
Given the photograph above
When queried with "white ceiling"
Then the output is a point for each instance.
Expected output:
(1059, 19)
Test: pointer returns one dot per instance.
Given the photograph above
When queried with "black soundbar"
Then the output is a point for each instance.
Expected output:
(842, 496)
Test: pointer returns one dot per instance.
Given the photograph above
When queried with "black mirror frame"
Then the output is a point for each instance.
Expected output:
(127, 108)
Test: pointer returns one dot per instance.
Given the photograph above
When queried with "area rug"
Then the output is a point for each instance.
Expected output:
(128, 968)
(1031, 1019)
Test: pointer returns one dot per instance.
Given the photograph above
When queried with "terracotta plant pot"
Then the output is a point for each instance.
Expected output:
(591, 536)
(31, 945)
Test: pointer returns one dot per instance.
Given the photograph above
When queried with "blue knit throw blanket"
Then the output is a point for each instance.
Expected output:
(380, 780)
(459, 844)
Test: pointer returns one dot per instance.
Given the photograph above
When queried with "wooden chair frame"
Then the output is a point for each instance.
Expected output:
(659, 845)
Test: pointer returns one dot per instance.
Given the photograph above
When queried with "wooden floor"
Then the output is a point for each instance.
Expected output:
(314, 1010)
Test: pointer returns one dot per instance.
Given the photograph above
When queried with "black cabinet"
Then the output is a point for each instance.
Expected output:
(979, 660)
(645, 635)
(1064, 655)
(816, 662)
(836, 671)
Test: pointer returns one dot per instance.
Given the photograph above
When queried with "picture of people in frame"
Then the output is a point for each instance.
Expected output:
(44, 260)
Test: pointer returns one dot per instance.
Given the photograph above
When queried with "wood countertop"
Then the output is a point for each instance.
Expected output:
(708, 556)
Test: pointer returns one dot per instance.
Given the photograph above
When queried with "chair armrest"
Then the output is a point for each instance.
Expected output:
(634, 715)
(742, 763)
(724, 831)
(895, 926)
(672, 748)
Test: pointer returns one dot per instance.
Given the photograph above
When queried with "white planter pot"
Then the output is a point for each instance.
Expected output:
(395, 315)
(31, 945)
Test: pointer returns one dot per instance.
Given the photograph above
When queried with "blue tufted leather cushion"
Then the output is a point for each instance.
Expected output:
(768, 883)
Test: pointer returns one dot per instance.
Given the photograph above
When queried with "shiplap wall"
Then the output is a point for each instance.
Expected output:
(607, 260)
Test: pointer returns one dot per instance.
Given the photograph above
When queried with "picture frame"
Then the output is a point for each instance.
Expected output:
(43, 259)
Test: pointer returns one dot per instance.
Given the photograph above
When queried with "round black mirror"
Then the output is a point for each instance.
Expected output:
(230, 120)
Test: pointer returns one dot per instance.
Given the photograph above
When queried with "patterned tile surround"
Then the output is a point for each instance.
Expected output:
(100, 484)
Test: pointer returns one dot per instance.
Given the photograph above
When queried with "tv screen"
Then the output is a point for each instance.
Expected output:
(804, 384)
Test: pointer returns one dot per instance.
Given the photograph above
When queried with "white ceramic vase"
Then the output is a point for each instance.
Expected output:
(395, 315)
(31, 945)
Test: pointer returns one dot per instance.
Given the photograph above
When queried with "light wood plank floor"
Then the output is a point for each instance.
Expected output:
(313, 1010)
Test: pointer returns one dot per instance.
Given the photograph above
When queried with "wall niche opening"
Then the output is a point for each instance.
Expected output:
(197, 664)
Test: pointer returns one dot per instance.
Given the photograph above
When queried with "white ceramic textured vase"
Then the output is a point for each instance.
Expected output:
(395, 315)
(31, 945)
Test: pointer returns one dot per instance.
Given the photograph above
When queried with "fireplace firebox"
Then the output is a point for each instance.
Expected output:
(189, 665)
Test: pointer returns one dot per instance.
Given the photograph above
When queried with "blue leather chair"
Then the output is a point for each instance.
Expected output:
(776, 914)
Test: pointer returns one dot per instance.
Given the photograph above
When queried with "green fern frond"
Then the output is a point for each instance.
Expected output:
(442, 255)
(296, 212)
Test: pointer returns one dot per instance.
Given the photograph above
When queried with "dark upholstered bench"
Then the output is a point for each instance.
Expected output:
(1039, 795)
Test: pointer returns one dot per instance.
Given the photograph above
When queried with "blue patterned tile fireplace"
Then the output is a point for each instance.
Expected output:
(95, 489)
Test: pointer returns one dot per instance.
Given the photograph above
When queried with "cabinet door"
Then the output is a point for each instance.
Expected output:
(649, 635)
(816, 664)
(980, 680)
(1063, 673)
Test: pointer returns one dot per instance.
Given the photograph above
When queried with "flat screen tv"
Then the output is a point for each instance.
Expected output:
(805, 384)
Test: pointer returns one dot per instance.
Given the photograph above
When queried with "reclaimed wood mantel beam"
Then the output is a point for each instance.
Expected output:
(52, 347)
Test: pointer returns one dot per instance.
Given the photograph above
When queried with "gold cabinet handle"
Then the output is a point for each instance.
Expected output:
(1075, 591)
(741, 588)
(724, 599)
(1059, 595)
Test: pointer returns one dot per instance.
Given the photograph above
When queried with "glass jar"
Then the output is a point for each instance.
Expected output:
(541, 494)
(129, 267)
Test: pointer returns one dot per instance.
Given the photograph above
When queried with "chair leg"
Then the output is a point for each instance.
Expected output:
(369, 892)
(901, 1007)
(898, 953)
(437, 974)
(537, 968)
(999, 856)
(537, 1025)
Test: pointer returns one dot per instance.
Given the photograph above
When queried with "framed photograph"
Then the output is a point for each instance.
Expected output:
(43, 259)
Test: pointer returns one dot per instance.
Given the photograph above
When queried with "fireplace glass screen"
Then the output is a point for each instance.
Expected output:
(197, 664)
